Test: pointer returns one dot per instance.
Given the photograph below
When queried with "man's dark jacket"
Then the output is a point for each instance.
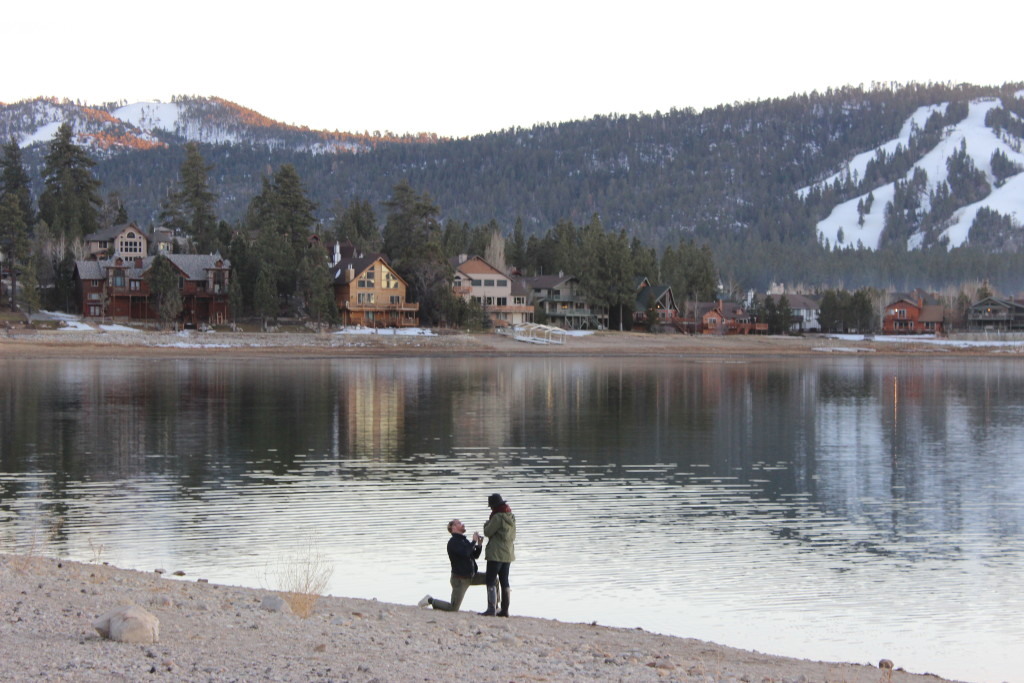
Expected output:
(463, 553)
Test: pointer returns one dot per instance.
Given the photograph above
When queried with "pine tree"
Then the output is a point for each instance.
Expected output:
(412, 240)
(190, 208)
(282, 217)
(163, 288)
(785, 313)
(14, 240)
(358, 224)
(316, 286)
(30, 286)
(236, 296)
(70, 202)
(515, 247)
(264, 298)
(14, 179)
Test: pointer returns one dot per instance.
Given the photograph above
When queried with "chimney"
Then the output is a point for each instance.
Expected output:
(350, 273)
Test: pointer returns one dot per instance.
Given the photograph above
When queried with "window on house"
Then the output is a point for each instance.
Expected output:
(366, 297)
(390, 280)
(134, 285)
(395, 299)
(119, 278)
(488, 283)
(476, 283)
(500, 301)
(368, 280)
(502, 283)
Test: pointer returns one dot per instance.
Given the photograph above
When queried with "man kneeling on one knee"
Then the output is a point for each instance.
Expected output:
(463, 553)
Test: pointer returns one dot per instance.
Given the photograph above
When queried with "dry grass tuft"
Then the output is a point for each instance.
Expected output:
(300, 578)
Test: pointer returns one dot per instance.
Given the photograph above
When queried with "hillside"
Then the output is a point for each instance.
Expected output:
(980, 146)
(767, 184)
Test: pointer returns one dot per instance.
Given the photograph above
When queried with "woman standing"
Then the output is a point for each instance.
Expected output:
(500, 531)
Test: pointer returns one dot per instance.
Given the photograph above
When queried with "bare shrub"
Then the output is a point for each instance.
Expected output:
(300, 578)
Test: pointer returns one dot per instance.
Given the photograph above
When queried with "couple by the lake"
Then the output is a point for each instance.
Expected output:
(500, 530)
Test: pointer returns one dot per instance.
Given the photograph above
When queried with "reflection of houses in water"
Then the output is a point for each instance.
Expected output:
(102, 399)
(482, 413)
(372, 411)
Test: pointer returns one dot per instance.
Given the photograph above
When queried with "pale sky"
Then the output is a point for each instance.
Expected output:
(461, 68)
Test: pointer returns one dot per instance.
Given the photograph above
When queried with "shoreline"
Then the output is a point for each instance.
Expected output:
(135, 343)
(223, 633)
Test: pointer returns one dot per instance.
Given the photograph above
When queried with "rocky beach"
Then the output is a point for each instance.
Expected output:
(209, 632)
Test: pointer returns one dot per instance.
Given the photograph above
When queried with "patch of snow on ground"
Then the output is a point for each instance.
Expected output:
(76, 326)
(44, 133)
(118, 328)
(150, 115)
(394, 331)
(931, 339)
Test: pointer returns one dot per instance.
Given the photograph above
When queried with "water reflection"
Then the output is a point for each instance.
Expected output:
(836, 509)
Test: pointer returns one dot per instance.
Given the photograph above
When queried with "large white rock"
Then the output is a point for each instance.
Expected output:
(128, 624)
(275, 603)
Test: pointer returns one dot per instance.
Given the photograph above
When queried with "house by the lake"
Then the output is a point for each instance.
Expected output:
(913, 316)
(368, 291)
(502, 298)
(118, 288)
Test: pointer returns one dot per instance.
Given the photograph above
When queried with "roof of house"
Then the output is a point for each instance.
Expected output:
(547, 281)
(991, 300)
(932, 314)
(193, 266)
(905, 300)
(359, 264)
(649, 293)
(728, 309)
(519, 287)
(475, 265)
(106, 234)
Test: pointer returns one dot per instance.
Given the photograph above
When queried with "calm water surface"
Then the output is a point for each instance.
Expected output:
(838, 508)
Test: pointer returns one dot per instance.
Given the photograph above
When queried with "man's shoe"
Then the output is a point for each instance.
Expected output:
(425, 601)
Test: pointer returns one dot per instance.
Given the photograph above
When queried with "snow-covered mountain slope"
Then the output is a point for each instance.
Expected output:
(37, 121)
(150, 124)
(860, 222)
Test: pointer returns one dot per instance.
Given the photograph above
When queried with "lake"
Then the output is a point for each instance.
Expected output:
(834, 508)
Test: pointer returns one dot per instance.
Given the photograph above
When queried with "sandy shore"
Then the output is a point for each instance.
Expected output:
(221, 633)
(78, 344)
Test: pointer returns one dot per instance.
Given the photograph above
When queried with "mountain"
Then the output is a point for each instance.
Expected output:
(115, 128)
(897, 184)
